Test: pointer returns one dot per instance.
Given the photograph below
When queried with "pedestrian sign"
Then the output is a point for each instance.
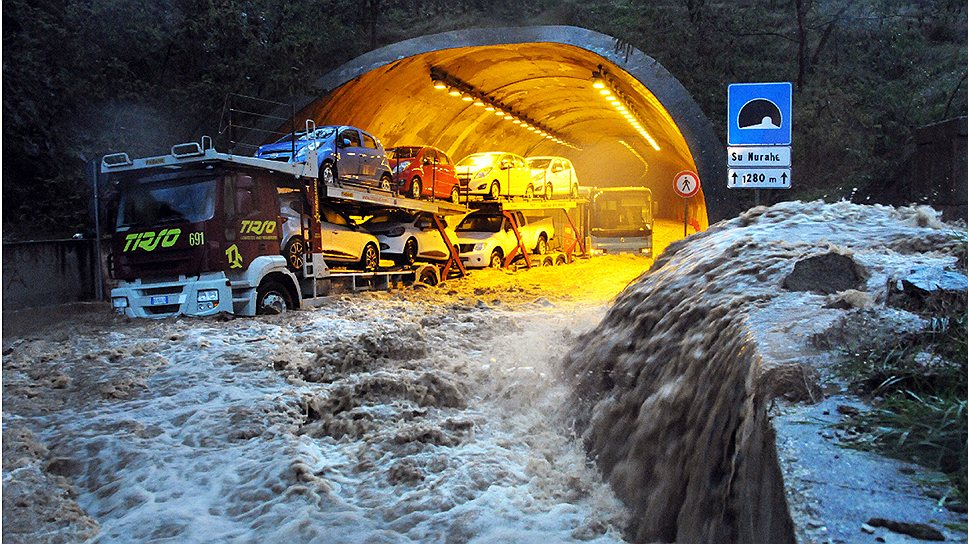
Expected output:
(686, 184)
(760, 114)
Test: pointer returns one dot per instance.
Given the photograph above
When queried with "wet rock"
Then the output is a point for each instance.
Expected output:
(405, 472)
(922, 531)
(825, 274)
(930, 289)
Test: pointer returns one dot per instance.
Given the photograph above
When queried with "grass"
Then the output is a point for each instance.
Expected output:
(918, 387)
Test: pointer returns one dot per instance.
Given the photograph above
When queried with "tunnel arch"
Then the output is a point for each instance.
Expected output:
(544, 72)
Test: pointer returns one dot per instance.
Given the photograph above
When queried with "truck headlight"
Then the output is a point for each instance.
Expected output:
(119, 302)
(208, 295)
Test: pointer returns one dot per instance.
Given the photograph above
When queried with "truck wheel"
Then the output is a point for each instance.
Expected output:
(427, 276)
(542, 247)
(371, 258)
(561, 260)
(409, 253)
(295, 253)
(415, 188)
(327, 174)
(455, 195)
(548, 261)
(549, 190)
(497, 260)
(495, 191)
(271, 298)
(529, 192)
(386, 182)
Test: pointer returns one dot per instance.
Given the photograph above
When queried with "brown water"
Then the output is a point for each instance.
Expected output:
(670, 390)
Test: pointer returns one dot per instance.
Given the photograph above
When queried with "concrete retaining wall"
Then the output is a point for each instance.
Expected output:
(41, 273)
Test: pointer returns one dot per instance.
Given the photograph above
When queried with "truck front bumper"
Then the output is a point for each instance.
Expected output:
(208, 294)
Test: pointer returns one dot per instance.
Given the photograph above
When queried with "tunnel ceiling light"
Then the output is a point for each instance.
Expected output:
(468, 93)
(610, 90)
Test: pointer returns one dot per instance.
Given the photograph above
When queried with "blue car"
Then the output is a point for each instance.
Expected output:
(345, 154)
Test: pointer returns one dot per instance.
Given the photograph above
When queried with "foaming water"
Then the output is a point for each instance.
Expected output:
(366, 421)
(671, 389)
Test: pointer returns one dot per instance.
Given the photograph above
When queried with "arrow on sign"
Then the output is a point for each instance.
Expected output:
(784, 176)
(734, 177)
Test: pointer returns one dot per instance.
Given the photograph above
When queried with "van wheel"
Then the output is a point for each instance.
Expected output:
(415, 188)
(495, 191)
(327, 173)
(549, 190)
(497, 260)
(295, 253)
(386, 182)
(455, 195)
(271, 298)
(542, 247)
(371, 258)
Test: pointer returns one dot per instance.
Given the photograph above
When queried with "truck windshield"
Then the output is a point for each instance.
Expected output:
(167, 202)
(621, 214)
(480, 223)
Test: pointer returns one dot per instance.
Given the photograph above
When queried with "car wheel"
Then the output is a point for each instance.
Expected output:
(295, 253)
(495, 190)
(327, 174)
(529, 192)
(549, 191)
(409, 253)
(371, 258)
(455, 195)
(542, 247)
(497, 261)
(574, 191)
(272, 298)
(415, 188)
(386, 182)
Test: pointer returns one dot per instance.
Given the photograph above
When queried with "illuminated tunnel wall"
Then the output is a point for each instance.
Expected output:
(544, 73)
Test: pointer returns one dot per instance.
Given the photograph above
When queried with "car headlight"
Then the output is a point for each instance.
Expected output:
(208, 295)
(119, 302)
(395, 231)
(483, 172)
(312, 145)
(482, 187)
(479, 247)
(401, 167)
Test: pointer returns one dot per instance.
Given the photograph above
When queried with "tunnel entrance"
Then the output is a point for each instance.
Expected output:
(619, 116)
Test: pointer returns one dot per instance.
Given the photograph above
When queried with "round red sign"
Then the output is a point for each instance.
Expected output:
(686, 184)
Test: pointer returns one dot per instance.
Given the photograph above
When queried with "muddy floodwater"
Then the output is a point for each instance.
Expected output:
(420, 415)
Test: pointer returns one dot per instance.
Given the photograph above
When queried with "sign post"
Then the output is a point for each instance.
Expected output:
(760, 132)
(686, 185)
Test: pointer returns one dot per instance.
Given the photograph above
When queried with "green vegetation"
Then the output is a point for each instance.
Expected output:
(920, 389)
(85, 77)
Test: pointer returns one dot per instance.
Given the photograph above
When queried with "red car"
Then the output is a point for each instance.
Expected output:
(423, 171)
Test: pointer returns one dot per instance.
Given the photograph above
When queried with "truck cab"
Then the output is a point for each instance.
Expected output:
(201, 237)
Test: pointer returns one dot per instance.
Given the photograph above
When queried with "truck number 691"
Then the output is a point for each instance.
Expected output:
(196, 238)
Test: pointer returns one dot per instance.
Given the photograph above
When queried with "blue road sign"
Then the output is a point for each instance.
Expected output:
(760, 114)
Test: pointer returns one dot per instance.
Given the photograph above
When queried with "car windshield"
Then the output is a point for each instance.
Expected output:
(479, 160)
(392, 216)
(167, 202)
(480, 223)
(402, 152)
(538, 164)
(324, 132)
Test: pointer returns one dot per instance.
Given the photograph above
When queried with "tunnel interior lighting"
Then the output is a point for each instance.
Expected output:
(608, 88)
(468, 93)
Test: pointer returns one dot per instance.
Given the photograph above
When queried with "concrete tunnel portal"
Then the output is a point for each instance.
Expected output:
(443, 89)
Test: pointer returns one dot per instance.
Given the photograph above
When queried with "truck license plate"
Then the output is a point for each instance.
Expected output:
(159, 300)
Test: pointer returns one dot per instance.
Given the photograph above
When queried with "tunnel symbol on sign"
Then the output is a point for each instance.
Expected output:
(760, 113)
